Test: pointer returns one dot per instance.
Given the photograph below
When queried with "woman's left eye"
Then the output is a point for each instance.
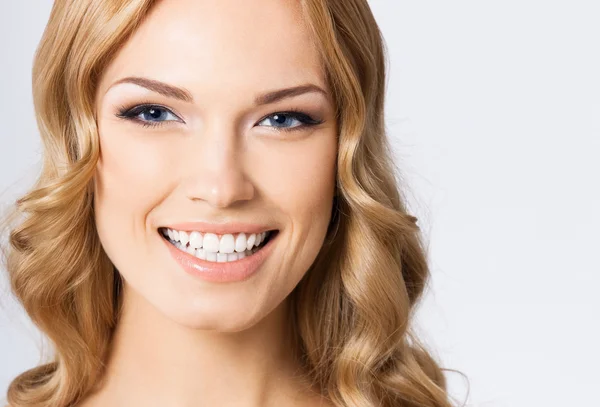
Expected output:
(281, 118)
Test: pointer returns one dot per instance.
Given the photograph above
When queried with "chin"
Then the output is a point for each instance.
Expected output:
(211, 310)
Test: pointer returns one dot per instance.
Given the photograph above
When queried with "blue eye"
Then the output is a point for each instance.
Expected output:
(155, 114)
(148, 115)
(281, 118)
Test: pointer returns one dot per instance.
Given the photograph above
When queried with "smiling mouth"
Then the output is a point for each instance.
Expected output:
(217, 248)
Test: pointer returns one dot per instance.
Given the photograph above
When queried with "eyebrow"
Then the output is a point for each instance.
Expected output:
(183, 94)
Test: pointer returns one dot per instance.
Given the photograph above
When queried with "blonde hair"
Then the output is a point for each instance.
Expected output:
(351, 312)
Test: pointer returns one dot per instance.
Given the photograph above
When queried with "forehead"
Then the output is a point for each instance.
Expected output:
(221, 46)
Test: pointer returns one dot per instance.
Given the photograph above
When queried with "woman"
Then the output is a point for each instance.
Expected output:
(217, 221)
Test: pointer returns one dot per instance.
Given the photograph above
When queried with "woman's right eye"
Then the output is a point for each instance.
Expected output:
(148, 115)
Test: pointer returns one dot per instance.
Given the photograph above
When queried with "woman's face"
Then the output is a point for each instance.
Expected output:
(215, 158)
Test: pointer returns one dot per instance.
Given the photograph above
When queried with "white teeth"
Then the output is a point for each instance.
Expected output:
(184, 238)
(196, 239)
(201, 254)
(221, 257)
(208, 246)
(250, 241)
(240, 242)
(211, 242)
(227, 243)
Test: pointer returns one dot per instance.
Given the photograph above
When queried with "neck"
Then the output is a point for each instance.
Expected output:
(156, 361)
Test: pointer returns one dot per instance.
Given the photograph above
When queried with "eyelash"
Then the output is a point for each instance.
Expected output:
(131, 113)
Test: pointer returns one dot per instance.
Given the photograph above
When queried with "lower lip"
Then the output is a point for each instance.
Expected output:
(226, 272)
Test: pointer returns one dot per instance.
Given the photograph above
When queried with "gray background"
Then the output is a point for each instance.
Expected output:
(494, 112)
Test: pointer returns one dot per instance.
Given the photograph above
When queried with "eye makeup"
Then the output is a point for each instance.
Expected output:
(148, 112)
(149, 115)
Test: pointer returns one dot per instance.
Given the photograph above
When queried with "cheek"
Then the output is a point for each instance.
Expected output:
(129, 168)
(130, 180)
(299, 177)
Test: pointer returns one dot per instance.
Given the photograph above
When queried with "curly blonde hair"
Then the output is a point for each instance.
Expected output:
(351, 313)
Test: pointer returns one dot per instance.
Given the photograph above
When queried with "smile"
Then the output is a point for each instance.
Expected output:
(222, 262)
(212, 247)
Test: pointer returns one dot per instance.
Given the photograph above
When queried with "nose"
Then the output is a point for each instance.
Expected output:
(216, 172)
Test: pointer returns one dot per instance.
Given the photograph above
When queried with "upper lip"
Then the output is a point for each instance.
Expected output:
(219, 228)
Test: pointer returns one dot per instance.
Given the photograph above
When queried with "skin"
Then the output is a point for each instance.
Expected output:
(182, 341)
